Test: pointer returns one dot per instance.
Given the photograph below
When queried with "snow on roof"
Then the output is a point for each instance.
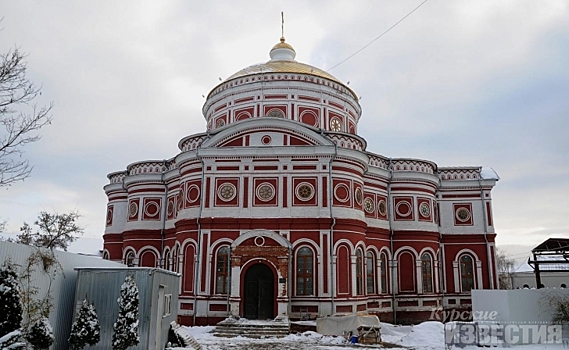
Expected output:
(487, 173)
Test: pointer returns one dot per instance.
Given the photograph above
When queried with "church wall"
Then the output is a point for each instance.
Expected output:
(316, 104)
(301, 178)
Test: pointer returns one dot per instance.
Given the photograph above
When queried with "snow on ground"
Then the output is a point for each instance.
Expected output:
(424, 336)
(306, 340)
(427, 335)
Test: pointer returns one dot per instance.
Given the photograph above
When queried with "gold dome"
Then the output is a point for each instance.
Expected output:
(284, 67)
(282, 61)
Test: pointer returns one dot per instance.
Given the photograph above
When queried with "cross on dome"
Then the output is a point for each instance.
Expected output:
(282, 51)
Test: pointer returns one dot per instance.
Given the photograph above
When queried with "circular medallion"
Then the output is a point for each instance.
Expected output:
(180, 203)
(265, 192)
(151, 209)
(382, 207)
(403, 208)
(219, 123)
(368, 205)
(425, 209)
(259, 241)
(304, 191)
(193, 193)
(358, 196)
(335, 124)
(462, 214)
(170, 209)
(266, 140)
(132, 209)
(227, 192)
(342, 193)
(309, 118)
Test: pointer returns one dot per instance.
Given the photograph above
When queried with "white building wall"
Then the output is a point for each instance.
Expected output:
(517, 306)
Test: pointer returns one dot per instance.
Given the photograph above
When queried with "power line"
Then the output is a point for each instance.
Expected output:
(382, 34)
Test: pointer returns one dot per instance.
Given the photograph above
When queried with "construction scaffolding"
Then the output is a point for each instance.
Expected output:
(550, 256)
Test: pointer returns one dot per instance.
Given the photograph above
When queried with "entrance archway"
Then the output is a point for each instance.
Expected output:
(259, 295)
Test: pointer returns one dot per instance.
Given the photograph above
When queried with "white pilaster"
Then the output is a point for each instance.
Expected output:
(353, 260)
(456, 276)
(479, 284)
(419, 276)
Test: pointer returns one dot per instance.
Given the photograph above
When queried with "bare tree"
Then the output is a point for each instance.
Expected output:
(55, 231)
(505, 268)
(20, 117)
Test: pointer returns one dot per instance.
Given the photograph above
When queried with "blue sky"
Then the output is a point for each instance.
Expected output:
(458, 82)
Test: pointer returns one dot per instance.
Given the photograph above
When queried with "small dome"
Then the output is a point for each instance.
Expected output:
(282, 52)
(282, 45)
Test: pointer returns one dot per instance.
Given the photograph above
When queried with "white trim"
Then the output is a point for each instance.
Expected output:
(264, 233)
(351, 248)
(152, 249)
(398, 251)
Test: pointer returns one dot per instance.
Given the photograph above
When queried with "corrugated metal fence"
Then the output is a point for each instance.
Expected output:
(62, 288)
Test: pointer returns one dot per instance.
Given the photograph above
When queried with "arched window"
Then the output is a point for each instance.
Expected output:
(223, 276)
(359, 272)
(166, 261)
(175, 259)
(106, 255)
(304, 272)
(466, 273)
(276, 113)
(370, 273)
(129, 260)
(427, 272)
(383, 273)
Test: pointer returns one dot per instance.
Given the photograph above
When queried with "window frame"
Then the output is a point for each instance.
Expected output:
(464, 276)
(307, 286)
(384, 273)
(167, 305)
(129, 259)
(371, 273)
(359, 272)
(427, 272)
(223, 270)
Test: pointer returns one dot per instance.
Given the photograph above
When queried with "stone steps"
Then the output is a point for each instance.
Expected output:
(233, 327)
(185, 336)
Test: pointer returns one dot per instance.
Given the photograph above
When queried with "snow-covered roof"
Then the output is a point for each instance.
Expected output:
(488, 173)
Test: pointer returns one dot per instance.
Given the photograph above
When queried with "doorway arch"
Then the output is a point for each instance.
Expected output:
(259, 293)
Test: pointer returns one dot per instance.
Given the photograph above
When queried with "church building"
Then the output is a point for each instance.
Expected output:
(279, 209)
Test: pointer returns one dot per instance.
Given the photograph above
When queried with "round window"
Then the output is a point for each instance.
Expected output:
(463, 214)
(382, 207)
(133, 209)
(227, 192)
(265, 192)
(304, 191)
(368, 205)
(425, 209)
(335, 124)
(358, 196)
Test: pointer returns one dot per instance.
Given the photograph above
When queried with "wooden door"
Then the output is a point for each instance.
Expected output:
(259, 293)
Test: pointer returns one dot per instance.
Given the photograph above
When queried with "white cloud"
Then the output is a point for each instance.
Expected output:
(459, 83)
